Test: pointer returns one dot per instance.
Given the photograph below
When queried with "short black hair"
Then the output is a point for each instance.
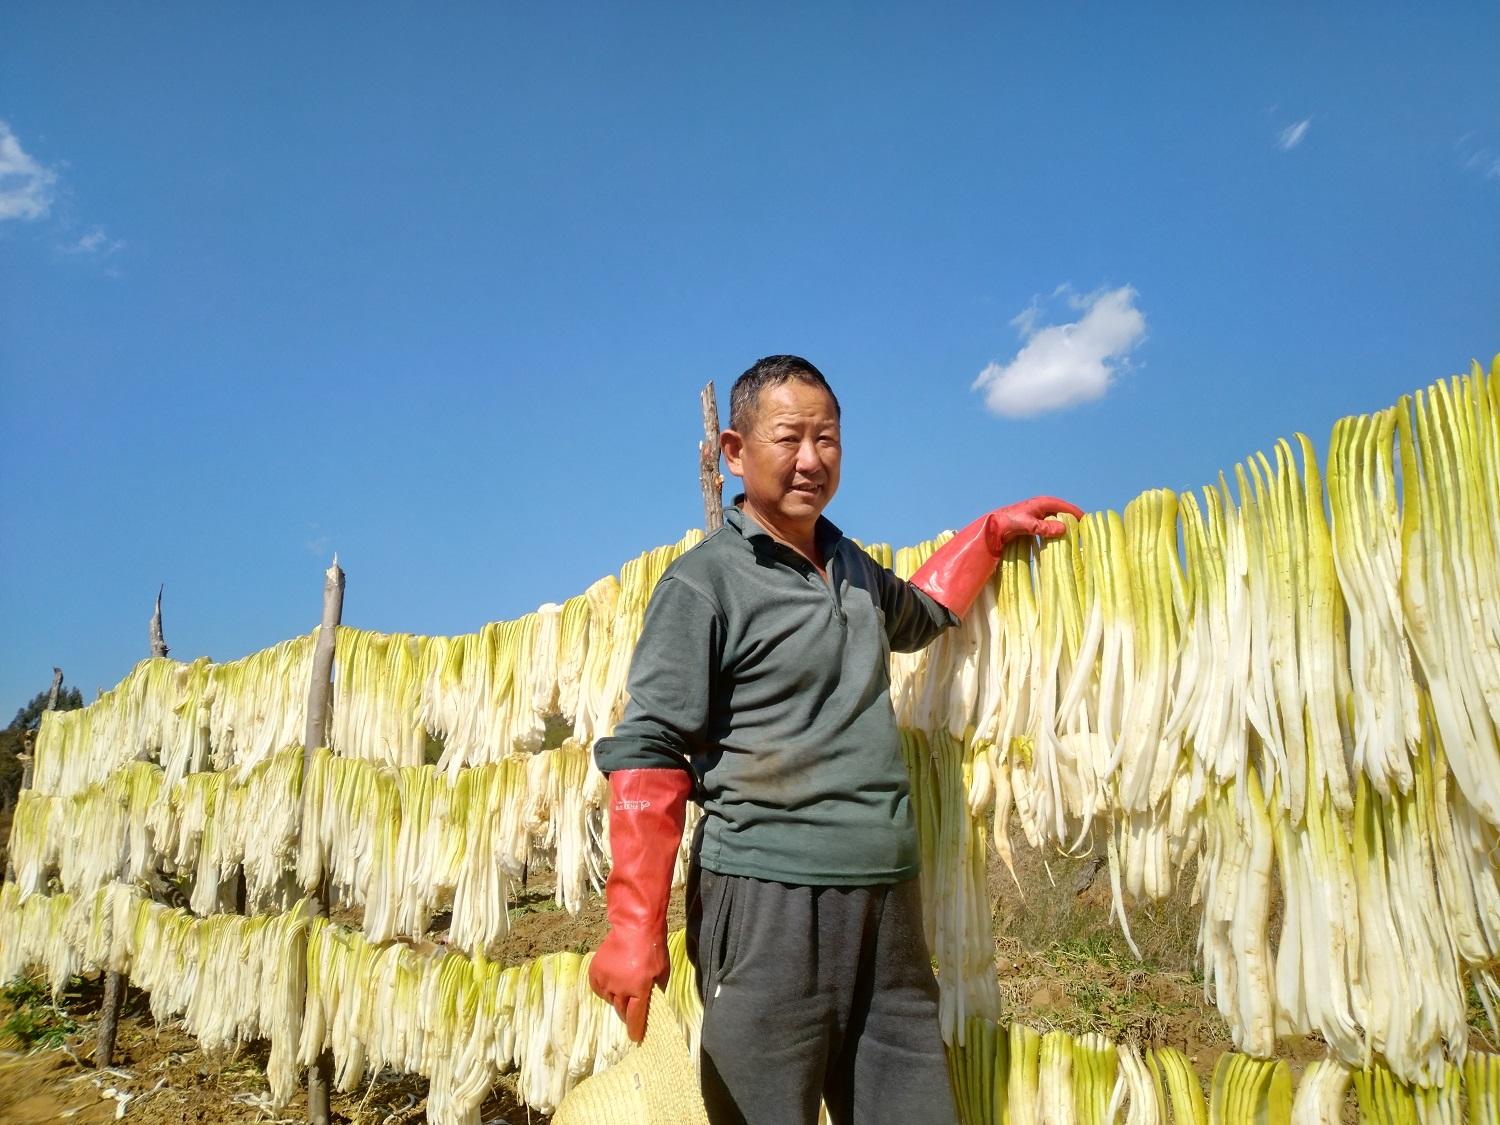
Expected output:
(771, 371)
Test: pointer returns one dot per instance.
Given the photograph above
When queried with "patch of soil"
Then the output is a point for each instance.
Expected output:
(44, 1086)
(1063, 962)
(538, 925)
(1055, 989)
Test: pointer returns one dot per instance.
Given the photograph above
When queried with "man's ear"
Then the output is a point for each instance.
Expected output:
(733, 445)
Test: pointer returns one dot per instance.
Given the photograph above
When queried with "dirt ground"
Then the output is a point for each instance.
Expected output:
(1062, 964)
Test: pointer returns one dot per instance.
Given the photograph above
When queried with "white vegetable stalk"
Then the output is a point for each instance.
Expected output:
(1482, 1086)
(1368, 558)
(376, 694)
(257, 706)
(1451, 573)
(1321, 1094)
(1234, 889)
(1174, 1073)
(956, 912)
(1139, 1091)
(1055, 1080)
(1247, 1089)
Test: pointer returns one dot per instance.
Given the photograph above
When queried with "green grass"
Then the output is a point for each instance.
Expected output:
(35, 1021)
(534, 902)
(1099, 946)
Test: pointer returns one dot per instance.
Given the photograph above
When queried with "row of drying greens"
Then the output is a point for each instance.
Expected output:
(1302, 707)
(230, 978)
(136, 824)
(1385, 919)
(1016, 1075)
(187, 717)
(488, 694)
(399, 844)
(403, 843)
(462, 1021)
(482, 696)
(458, 1021)
(1180, 680)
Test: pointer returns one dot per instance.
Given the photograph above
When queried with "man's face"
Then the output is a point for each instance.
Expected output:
(789, 460)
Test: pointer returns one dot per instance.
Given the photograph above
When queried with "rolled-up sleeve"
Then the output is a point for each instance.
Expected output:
(912, 619)
(671, 682)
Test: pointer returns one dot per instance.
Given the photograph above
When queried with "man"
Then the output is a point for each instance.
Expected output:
(759, 686)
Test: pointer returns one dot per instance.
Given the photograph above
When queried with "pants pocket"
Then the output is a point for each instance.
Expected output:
(723, 904)
(707, 905)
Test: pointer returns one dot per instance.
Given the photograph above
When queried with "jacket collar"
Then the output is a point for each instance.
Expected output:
(826, 534)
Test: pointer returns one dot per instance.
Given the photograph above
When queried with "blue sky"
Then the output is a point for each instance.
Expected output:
(436, 287)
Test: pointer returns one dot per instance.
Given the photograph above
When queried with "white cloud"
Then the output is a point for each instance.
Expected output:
(95, 241)
(1477, 157)
(1290, 137)
(25, 185)
(1065, 364)
(1024, 321)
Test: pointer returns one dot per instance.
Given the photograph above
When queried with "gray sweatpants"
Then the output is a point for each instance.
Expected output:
(813, 992)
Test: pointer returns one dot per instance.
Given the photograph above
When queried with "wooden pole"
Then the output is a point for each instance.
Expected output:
(708, 462)
(25, 759)
(114, 983)
(109, 1019)
(57, 679)
(158, 644)
(315, 734)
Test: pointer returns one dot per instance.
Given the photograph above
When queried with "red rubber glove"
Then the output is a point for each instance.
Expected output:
(954, 575)
(647, 809)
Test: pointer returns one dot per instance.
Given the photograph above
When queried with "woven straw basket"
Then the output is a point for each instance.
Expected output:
(654, 1083)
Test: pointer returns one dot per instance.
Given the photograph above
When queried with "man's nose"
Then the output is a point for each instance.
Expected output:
(808, 461)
